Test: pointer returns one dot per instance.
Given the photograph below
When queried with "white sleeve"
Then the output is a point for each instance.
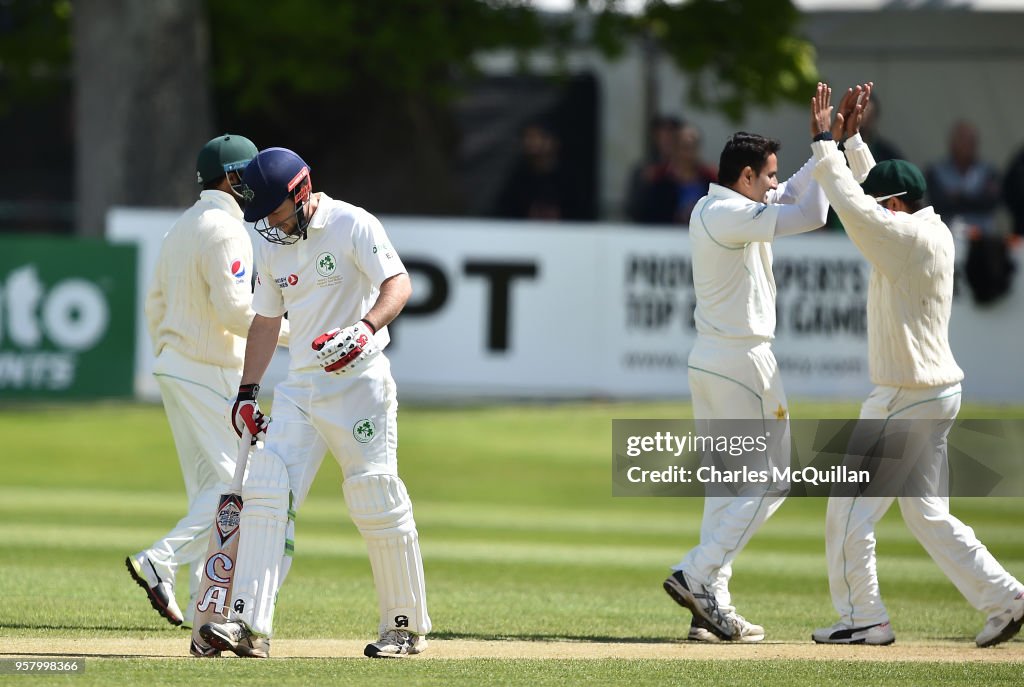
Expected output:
(792, 189)
(807, 214)
(882, 236)
(733, 223)
(858, 157)
(228, 253)
(156, 304)
(267, 299)
(372, 250)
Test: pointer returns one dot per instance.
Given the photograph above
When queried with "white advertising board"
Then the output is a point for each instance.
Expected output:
(519, 310)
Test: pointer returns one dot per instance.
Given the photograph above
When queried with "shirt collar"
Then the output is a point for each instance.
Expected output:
(319, 218)
(719, 191)
(223, 201)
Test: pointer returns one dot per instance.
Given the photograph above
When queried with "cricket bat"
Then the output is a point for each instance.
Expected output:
(219, 568)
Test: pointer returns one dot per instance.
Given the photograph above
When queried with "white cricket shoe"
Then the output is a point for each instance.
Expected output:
(743, 630)
(396, 643)
(880, 634)
(235, 636)
(1003, 626)
(159, 590)
(700, 601)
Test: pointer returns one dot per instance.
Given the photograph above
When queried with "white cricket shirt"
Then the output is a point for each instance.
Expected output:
(730, 237)
(199, 302)
(330, 279)
(910, 292)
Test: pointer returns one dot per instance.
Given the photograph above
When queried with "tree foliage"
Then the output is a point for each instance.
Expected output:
(737, 52)
(35, 50)
(409, 47)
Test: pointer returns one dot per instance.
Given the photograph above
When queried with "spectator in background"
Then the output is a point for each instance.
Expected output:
(1013, 191)
(649, 176)
(540, 187)
(691, 174)
(667, 191)
(963, 187)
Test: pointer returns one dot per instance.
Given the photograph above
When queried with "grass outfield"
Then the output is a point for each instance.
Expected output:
(522, 542)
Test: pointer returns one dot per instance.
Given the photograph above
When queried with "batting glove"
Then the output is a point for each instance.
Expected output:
(246, 413)
(345, 350)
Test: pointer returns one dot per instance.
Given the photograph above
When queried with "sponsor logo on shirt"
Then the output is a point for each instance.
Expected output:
(385, 249)
(238, 270)
(285, 282)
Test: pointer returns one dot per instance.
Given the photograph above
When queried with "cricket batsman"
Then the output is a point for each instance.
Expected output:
(332, 268)
(198, 308)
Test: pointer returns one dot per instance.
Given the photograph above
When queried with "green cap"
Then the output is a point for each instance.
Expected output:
(895, 178)
(222, 155)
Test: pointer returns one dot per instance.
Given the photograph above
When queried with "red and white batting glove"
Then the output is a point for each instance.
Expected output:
(246, 413)
(345, 350)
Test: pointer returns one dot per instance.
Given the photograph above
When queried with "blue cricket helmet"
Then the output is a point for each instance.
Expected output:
(271, 176)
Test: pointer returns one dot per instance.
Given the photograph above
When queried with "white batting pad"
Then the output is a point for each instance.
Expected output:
(262, 544)
(379, 506)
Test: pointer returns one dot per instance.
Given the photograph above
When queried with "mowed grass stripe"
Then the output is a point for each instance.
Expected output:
(803, 518)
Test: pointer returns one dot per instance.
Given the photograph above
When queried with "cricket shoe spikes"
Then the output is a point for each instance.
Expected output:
(395, 644)
(236, 637)
(880, 634)
(1002, 626)
(159, 590)
(701, 601)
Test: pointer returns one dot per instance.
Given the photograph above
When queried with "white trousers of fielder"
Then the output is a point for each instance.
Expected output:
(850, 523)
(196, 397)
(356, 417)
(735, 380)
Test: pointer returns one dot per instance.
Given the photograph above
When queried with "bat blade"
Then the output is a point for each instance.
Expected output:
(219, 565)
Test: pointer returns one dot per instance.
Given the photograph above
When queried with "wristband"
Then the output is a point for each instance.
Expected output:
(823, 136)
(248, 392)
(369, 324)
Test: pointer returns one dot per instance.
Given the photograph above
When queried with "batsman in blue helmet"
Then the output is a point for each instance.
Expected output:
(331, 266)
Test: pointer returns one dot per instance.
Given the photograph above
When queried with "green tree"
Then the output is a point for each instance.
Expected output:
(363, 71)
(738, 52)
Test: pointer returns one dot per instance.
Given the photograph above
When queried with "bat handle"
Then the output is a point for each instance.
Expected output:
(243, 457)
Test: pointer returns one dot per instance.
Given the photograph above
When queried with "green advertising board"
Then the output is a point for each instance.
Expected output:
(67, 318)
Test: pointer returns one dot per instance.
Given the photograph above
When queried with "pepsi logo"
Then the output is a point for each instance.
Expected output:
(238, 269)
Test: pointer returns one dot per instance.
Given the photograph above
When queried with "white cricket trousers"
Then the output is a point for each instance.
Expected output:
(735, 380)
(355, 416)
(850, 523)
(197, 399)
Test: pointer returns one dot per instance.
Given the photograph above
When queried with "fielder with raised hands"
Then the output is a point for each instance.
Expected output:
(331, 267)
(910, 295)
(732, 371)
